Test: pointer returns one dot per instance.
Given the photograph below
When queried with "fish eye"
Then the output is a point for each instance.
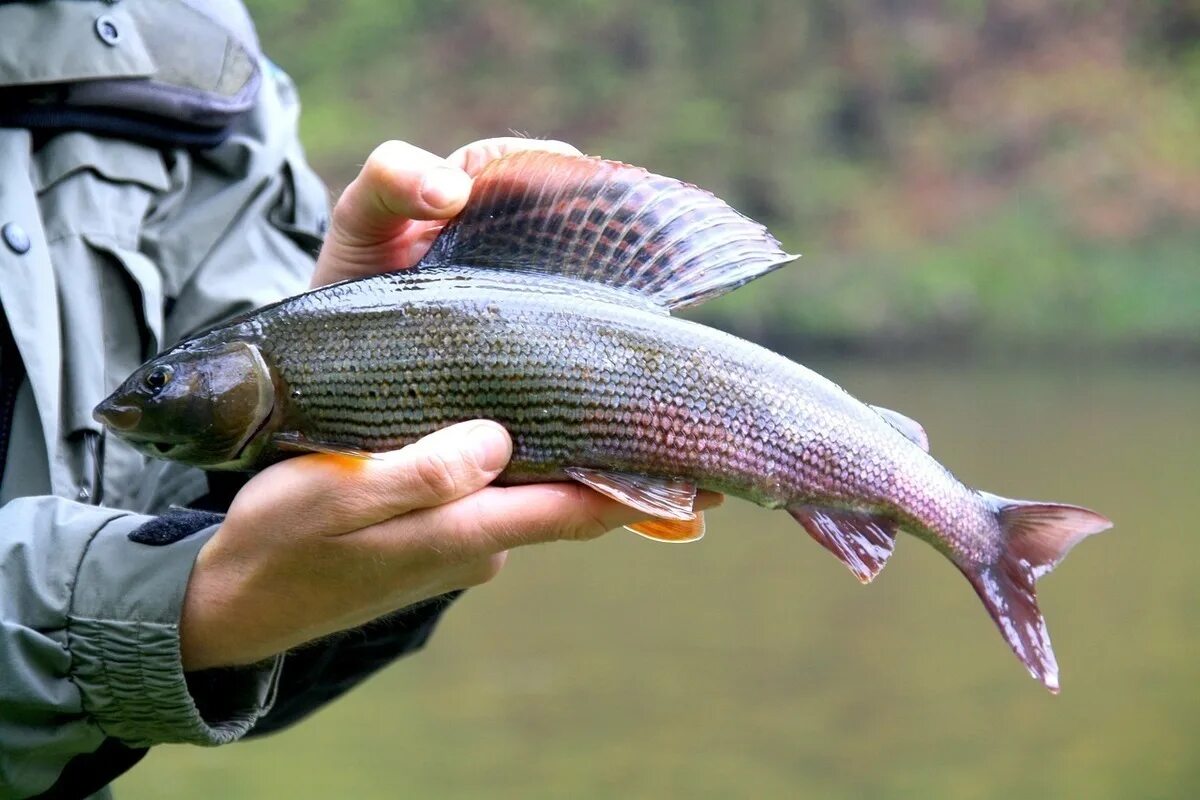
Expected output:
(159, 377)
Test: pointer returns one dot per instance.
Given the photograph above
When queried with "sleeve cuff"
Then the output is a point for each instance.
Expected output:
(123, 634)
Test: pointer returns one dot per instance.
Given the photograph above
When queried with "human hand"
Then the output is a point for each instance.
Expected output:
(322, 543)
(390, 214)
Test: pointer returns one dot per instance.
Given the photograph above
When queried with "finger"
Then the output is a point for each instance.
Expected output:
(390, 215)
(340, 260)
(399, 182)
(337, 494)
(496, 519)
(473, 157)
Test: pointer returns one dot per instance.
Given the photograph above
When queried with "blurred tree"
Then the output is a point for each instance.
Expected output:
(1005, 172)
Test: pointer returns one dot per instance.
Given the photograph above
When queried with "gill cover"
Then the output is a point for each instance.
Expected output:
(249, 387)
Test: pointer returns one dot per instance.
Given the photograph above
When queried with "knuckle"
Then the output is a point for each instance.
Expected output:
(385, 175)
(436, 472)
(343, 211)
(381, 164)
(347, 210)
(477, 528)
(583, 531)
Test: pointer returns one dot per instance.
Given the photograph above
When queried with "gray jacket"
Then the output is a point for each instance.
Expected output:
(110, 250)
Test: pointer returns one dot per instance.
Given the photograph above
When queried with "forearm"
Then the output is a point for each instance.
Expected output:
(89, 646)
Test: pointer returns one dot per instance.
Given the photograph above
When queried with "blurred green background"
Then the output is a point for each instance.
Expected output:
(958, 173)
(998, 205)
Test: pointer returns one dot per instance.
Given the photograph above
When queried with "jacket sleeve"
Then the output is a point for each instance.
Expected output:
(89, 643)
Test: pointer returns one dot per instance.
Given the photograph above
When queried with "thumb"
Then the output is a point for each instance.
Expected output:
(445, 465)
(338, 494)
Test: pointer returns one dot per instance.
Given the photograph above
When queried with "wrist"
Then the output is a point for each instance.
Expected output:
(221, 623)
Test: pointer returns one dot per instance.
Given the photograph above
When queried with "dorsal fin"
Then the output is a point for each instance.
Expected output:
(607, 222)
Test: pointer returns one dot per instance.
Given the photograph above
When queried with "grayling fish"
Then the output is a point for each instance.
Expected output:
(545, 306)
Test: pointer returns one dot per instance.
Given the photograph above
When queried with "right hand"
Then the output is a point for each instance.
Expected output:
(322, 543)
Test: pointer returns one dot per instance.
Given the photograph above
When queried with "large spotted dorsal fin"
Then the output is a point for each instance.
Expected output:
(607, 222)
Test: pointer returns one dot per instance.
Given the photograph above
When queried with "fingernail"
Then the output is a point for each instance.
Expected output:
(490, 446)
(444, 186)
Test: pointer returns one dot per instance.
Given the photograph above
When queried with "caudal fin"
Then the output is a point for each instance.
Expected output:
(1036, 536)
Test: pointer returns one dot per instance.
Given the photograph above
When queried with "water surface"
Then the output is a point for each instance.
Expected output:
(753, 664)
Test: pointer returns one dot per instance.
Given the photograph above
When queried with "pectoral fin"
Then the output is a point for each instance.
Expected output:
(863, 542)
(299, 443)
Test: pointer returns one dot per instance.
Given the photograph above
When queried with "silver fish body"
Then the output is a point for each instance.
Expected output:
(586, 377)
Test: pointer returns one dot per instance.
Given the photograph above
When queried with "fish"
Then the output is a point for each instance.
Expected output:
(547, 305)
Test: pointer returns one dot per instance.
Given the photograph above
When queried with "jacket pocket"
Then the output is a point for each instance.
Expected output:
(113, 160)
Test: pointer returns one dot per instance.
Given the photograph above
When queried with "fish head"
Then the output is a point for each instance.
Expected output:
(203, 404)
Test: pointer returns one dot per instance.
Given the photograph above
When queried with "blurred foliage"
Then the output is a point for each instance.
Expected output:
(958, 173)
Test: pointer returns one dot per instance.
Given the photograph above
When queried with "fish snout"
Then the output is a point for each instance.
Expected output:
(118, 416)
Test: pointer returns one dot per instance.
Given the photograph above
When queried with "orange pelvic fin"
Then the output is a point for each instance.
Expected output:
(673, 531)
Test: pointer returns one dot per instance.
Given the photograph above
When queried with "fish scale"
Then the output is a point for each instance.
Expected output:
(545, 305)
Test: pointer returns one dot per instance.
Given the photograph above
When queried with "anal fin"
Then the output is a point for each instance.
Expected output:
(863, 542)
(674, 531)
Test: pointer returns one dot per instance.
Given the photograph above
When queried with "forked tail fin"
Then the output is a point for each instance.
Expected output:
(1035, 537)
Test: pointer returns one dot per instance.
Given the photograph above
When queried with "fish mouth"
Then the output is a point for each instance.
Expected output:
(123, 420)
(117, 416)
(152, 447)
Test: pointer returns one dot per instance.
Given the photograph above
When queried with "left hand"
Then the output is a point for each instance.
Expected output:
(323, 543)
(390, 214)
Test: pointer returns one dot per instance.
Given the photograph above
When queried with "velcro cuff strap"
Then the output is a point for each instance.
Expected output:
(176, 524)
